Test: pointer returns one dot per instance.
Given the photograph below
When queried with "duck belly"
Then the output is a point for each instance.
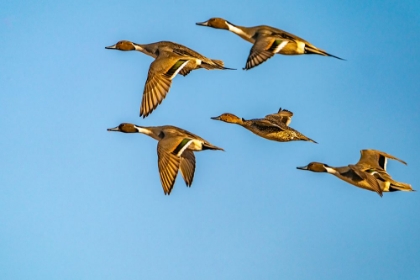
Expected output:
(284, 136)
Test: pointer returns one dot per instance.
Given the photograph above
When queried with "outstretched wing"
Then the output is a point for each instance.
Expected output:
(187, 166)
(168, 165)
(159, 79)
(375, 158)
(264, 48)
(283, 115)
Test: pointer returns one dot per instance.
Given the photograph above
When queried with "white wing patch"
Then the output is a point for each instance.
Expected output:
(179, 69)
(185, 147)
(279, 47)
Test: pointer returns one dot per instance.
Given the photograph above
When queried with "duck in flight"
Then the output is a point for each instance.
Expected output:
(170, 59)
(368, 173)
(267, 41)
(272, 127)
(175, 150)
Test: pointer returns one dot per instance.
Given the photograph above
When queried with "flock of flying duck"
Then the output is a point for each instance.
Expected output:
(176, 146)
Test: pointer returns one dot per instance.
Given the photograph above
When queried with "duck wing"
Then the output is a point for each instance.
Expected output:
(375, 158)
(370, 179)
(168, 165)
(284, 116)
(266, 125)
(187, 166)
(265, 47)
(159, 79)
(186, 70)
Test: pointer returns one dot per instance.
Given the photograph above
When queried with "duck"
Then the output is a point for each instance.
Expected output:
(272, 127)
(170, 59)
(175, 150)
(368, 173)
(267, 41)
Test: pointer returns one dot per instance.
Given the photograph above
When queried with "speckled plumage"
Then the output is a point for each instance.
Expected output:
(272, 127)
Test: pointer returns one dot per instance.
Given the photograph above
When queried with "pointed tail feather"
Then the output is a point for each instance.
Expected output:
(305, 138)
(397, 186)
(313, 141)
(208, 146)
(220, 65)
(310, 50)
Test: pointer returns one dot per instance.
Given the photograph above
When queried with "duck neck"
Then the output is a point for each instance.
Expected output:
(150, 131)
(144, 49)
(242, 31)
(237, 120)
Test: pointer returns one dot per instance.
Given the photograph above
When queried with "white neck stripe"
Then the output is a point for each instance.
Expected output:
(330, 170)
(143, 130)
(237, 30)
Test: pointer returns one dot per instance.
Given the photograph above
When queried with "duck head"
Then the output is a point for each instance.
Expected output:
(315, 167)
(218, 23)
(125, 127)
(122, 46)
(229, 118)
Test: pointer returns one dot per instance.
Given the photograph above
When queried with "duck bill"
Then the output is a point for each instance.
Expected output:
(215, 118)
(113, 129)
(113, 47)
(204, 23)
(302, 167)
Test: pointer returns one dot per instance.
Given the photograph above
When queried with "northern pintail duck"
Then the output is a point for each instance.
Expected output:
(368, 173)
(267, 41)
(170, 59)
(273, 127)
(175, 150)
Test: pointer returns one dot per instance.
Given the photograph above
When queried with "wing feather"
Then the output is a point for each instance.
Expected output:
(168, 165)
(187, 166)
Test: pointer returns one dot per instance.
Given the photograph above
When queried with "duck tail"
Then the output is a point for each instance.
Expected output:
(218, 62)
(397, 186)
(208, 146)
(221, 65)
(310, 50)
(304, 138)
(313, 141)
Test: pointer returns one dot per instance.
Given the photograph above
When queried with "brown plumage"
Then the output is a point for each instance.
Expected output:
(175, 151)
(170, 59)
(368, 173)
(273, 127)
(267, 41)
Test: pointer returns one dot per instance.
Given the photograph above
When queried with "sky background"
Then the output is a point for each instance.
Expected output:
(78, 202)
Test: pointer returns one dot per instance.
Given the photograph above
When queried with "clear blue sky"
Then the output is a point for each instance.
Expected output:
(78, 202)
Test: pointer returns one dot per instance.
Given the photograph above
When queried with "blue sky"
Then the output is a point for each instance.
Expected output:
(78, 202)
